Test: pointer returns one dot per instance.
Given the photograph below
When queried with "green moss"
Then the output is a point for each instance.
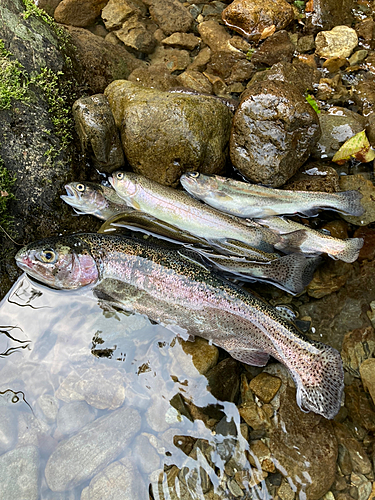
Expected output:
(6, 184)
(13, 79)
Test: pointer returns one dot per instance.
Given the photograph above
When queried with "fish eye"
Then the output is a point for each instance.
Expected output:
(120, 175)
(80, 187)
(48, 256)
(193, 175)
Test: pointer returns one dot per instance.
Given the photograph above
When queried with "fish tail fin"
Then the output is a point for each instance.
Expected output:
(350, 202)
(291, 242)
(294, 272)
(350, 252)
(320, 381)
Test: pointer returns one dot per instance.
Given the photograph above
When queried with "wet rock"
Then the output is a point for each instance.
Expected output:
(157, 414)
(332, 90)
(285, 491)
(367, 189)
(364, 96)
(358, 57)
(186, 41)
(276, 48)
(171, 16)
(371, 312)
(200, 61)
(260, 453)
(337, 228)
(367, 371)
(257, 417)
(204, 355)
(145, 454)
(291, 446)
(215, 36)
(173, 59)
(48, 6)
(120, 480)
(358, 345)
(79, 458)
(315, 176)
(265, 386)
(339, 42)
(8, 430)
(222, 63)
(100, 61)
(73, 416)
(359, 460)
(156, 76)
(223, 380)
(137, 34)
(242, 70)
(98, 132)
(79, 14)
(100, 386)
(360, 406)
(116, 12)
(362, 484)
(337, 126)
(184, 132)
(325, 14)
(251, 18)
(195, 80)
(49, 406)
(328, 278)
(19, 474)
(271, 140)
(306, 43)
(333, 64)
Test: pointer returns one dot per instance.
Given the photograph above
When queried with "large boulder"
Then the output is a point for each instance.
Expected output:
(274, 131)
(165, 134)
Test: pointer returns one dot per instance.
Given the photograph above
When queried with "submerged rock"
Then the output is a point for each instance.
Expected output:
(339, 42)
(358, 346)
(19, 474)
(274, 130)
(165, 134)
(367, 189)
(171, 16)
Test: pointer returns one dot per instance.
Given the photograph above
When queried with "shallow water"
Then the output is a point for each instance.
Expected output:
(58, 348)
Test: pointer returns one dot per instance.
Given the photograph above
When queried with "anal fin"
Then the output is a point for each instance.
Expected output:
(250, 356)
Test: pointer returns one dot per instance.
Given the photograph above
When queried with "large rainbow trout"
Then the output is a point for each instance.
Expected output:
(173, 289)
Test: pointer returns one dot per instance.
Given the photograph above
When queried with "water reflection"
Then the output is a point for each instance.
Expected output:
(76, 369)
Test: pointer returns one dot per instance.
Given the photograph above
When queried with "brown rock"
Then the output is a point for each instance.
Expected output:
(328, 278)
(358, 456)
(201, 60)
(223, 380)
(368, 250)
(276, 48)
(364, 96)
(315, 176)
(259, 450)
(254, 416)
(155, 76)
(81, 14)
(367, 189)
(137, 34)
(215, 36)
(100, 61)
(337, 229)
(48, 6)
(333, 64)
(116, 12)
(172, 59)
(195, 80)
(358, 345)
(171, 16)
(367, 371)
(222, 62)
(252, 17)
(182, 41)
(241, 70)
(360, 406)
(325, 14)
(204, 355)
(265, 386)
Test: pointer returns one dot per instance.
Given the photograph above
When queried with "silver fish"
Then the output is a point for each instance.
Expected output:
(181, 210)
(250, 200)
(185, 296)
(317, 242)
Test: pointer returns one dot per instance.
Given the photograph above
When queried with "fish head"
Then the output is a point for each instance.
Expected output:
(85, 197)
(61, 263)
(198, 184)
(126, 184)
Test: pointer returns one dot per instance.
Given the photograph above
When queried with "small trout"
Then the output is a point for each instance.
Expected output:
(316, 241)
(187, 297)
(94, 199)
(181, 210)
(250, 200)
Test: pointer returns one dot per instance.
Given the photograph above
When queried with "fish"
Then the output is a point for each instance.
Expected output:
(185, 296)
(317, 242)
(243, 199)
(182, 211)
(95, 199)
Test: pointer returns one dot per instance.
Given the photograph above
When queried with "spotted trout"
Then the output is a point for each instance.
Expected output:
(184, 296)
(250, 200)
(181, 210)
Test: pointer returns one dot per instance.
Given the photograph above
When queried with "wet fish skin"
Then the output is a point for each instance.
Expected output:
(95, 199)
(346, 250)
(250, 200)
(181, 294)
(181, 210)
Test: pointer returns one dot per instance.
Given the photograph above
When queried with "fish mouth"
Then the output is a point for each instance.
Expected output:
(72, 198)
(111, 181)
(23, 261)
(70, 191)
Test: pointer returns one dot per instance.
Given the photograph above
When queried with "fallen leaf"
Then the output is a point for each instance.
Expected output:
(4, 193)
(309, 6)
(357, 147)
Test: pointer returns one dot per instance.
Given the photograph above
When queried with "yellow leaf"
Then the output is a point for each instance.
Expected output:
(357, 147)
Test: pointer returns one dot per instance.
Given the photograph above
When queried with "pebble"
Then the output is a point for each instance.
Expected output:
(171, 16)
(136, 34)
(8, 429)
(49, 406)
(367, 189)
(116, 12)
(203, 354)
(359, 460)
(145, 455)
(358, 345)
(195, 80)
(19, 474)
(81, 13)
(306, 43)
(285, 492)
(263, 455)
(215, 36)
(339, 42)
(73, 416)
(172, 59)
(358, 57)
(80, 457)
(265, 386)
(362, 484)
(186, 41)
(367, 371)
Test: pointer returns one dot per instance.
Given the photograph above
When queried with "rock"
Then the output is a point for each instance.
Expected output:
(252, 17)
(306, 43)
(255, 416)
(222, 62)
(195, 80)
(79, 14)
(274, 130)
(362, 484)
(137, 34)
(337, 126)
(223, 380)
(360, 406)
(145, 454)
(80, 457)
(314, 176)
(364, 96)
(200, 61)
(157, 414)
(328, 278)
(265, 386)
(285, 491)
(119, 481)
(100, 61)
(367, 371)
(371, 312)
(367, 189)
(73, 416)
(274, 49)
(19, 474)
(368, 250)
(358, 345)
(339, 42)
(116, 12)
(173, 59)
(8, 429)
(100, 386)
(156, 76)
(184, 132)
(171, 16)
(358, 457)
(260, 452)
(203, 355)
(333, 64)
(337, 228)
(357, 57)
(98, 133)
(215, 36)
(186, 41)
(49, 405)
(48, 6)
(242, 70)
(325, 14)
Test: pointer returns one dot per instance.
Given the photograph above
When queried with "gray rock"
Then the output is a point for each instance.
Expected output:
(49, 405)
(116, 12)
(119, 481)
(73, 416)
(339, 42)
(171, 16)
(79, 458)
(98, 133)
(165, 134)
(306, 43)
(19, 474)
(337, 126)
(274, 130)
(60, 495)
(145, 454)
(8, 429)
